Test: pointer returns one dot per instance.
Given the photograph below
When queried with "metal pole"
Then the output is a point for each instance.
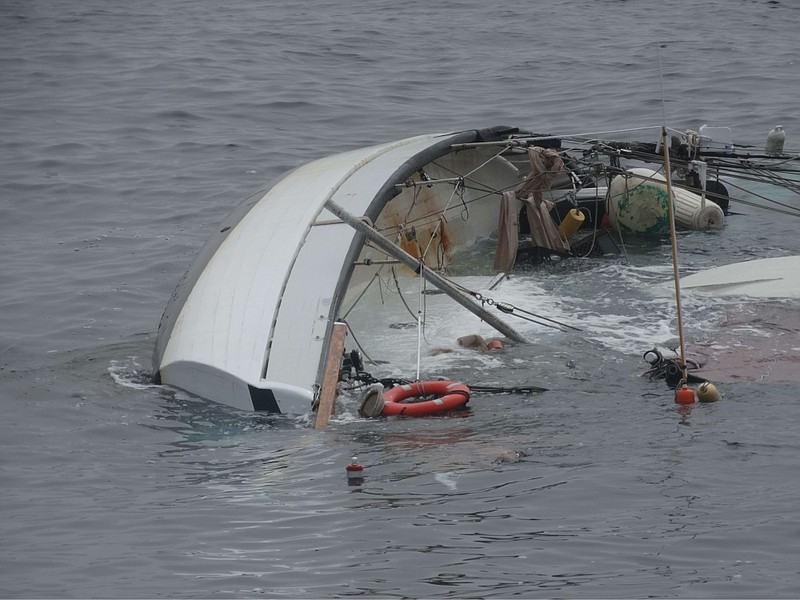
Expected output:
(433, 277)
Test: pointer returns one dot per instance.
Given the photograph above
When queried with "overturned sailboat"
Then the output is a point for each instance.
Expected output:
(252, 323)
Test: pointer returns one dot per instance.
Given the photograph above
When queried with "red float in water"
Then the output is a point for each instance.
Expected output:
(684, 395)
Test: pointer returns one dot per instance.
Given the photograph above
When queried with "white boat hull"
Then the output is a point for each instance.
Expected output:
(764, 278)
(249, 325)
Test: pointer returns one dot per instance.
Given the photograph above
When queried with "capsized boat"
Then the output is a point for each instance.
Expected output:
(252, 323)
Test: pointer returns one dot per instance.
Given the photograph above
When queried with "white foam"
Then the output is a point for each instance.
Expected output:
(594, 301)
(130, 374)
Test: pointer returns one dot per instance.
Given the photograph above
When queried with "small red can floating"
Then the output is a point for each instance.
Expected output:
(355, 472)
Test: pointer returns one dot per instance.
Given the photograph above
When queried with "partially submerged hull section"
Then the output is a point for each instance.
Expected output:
(249, 324)
(762, 278)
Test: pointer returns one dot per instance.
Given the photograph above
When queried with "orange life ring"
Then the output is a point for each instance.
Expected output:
(449, 395)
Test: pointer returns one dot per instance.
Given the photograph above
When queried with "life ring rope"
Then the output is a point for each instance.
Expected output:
(448, 396)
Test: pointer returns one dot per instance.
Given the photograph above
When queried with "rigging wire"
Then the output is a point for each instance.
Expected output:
(441, 217)
(358, 344)
(496, 389)
(462, 182)
(400, 294)
(510, 309)
(361, 295)
(786, 210)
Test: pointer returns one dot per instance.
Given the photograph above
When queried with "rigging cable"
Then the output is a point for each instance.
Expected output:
(400, 294)
(361, 295)
(360, 347)
(510, 309)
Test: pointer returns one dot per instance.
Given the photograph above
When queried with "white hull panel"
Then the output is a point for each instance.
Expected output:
(764, 278)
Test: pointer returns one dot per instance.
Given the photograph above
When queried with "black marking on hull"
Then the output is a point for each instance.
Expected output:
(263, 400)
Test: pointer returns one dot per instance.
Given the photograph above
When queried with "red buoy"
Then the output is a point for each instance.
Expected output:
(355, 472)
(684, 395)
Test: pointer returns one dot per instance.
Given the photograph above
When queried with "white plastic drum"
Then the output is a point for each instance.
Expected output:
(637, 203)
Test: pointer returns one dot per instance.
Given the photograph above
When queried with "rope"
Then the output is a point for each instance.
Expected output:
(525, 389)
(363, 378)
(458, 186)
(510, 309)
(361, 295)
(458, 190)
(743, 169)
(589, 136)
(400, 293)
(360, 347)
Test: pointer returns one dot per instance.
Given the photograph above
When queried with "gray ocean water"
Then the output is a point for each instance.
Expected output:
(128, 130)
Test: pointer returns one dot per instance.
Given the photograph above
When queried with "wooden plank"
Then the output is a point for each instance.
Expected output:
(330, 376)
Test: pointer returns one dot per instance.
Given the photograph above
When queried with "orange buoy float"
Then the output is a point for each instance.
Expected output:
(684, 395)
(449, 395)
